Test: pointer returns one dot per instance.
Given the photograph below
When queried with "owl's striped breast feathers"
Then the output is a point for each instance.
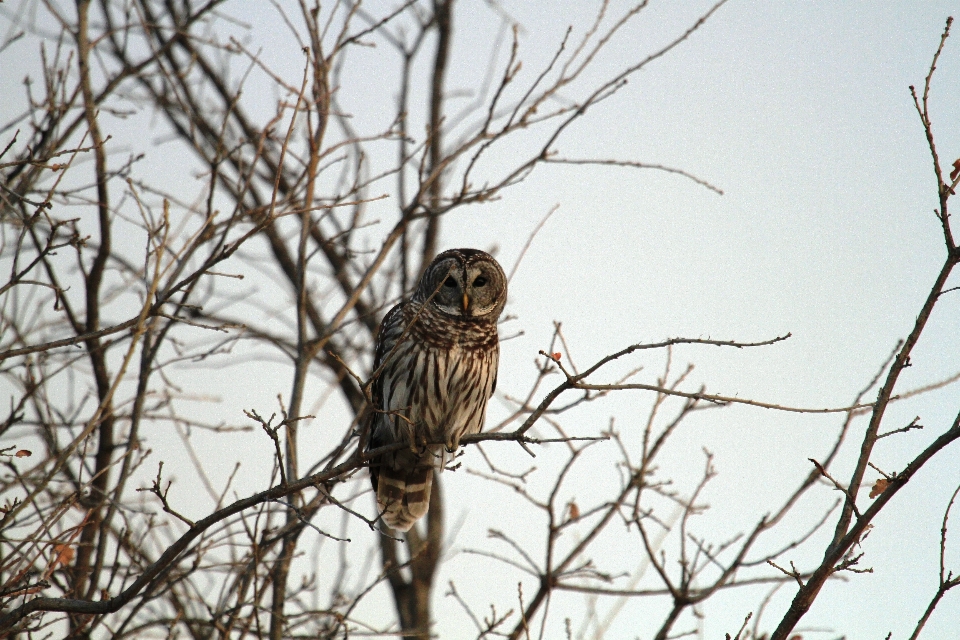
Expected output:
(434, 388)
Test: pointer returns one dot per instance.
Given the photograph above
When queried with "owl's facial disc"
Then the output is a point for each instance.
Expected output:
(465, 287)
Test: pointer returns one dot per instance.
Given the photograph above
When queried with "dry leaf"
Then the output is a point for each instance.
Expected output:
(63, 554)
(556, 356)
(879, 487)
(23, 453)
(956, 170)
(574, 510)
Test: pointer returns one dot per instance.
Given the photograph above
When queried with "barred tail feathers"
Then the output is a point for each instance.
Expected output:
(403, 495)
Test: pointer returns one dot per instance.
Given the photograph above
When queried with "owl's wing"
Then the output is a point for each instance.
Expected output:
(391, 328)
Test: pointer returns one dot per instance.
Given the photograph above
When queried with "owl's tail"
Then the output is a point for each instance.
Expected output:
(403, 495)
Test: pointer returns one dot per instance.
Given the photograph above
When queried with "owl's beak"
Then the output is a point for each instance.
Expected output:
(466, 301)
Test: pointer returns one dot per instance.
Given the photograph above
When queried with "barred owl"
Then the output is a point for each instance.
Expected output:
(441, 350)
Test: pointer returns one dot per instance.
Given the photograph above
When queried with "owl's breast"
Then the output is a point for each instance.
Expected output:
(446, 376)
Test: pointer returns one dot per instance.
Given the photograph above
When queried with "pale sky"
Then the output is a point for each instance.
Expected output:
(800, 113)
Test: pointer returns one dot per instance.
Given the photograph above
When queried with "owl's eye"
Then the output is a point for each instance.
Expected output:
(450, 282)
(480, 281)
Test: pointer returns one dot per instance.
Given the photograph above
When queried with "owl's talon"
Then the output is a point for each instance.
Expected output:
(452, 445)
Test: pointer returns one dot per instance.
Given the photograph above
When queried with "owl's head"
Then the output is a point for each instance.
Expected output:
(469, 283)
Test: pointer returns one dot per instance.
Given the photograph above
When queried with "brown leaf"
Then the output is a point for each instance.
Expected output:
(63, 554)
(879, 487)
(574, 510)
(956, 170)
(23, 453)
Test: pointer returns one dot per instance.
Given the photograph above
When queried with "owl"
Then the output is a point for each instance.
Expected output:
(441, 350)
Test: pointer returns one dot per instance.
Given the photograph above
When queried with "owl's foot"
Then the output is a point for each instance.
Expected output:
(452, 444)
(419, 446)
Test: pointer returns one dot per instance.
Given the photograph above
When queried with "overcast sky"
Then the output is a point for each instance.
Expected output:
(801, 113)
